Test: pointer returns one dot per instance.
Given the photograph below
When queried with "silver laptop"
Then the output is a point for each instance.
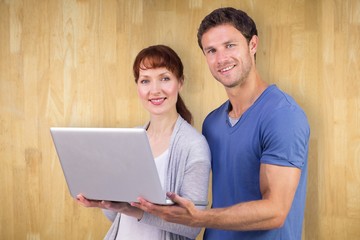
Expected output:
(113, 164)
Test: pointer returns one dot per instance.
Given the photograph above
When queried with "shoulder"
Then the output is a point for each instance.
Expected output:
(187, 138)
(187, 132)
(284, 129)
(220, 110)
(278, 106)
(217, 114)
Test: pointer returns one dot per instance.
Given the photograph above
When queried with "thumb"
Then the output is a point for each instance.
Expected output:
(177, 199)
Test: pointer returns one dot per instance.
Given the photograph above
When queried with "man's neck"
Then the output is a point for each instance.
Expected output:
(243, 96)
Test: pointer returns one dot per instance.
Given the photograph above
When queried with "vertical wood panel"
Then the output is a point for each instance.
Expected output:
(69, 63)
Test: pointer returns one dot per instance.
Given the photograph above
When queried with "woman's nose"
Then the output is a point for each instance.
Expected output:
(155, 87)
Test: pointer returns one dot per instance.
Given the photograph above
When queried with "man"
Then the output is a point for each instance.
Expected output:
(258, 141)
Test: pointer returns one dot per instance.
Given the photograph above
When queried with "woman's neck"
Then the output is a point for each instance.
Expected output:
(159, 132)
(162, 125)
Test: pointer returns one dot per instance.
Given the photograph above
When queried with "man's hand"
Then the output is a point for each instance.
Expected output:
(183, 212)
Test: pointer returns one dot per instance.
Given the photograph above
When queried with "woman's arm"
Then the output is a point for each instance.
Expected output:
(194, 186)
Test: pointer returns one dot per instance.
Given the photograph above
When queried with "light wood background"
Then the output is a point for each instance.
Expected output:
(68, 63)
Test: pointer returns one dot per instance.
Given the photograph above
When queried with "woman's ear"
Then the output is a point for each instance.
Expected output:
(181, 83)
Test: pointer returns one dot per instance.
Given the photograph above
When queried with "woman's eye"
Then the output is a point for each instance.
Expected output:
(165, 79)
(144, 81)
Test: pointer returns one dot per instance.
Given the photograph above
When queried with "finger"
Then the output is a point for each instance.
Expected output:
(82, 200)
(86, 202)
(80, 197)
(137, 205)
(143, 205)
(183, 202)
(105, 204)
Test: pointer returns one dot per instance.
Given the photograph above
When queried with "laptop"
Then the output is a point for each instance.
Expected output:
(112, 164)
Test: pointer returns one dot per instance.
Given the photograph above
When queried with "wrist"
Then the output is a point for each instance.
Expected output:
(140, 216)
(134, 212)
(198, 219)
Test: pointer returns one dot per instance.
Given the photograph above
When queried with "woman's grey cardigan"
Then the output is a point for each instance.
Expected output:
(187, 175)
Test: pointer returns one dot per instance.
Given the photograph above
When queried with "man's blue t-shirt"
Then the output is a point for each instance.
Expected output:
(274, 130)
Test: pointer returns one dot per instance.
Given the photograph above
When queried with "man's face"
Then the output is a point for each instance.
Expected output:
(229, 57)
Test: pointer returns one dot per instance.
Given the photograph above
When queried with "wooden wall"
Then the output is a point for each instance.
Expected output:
(68, 63)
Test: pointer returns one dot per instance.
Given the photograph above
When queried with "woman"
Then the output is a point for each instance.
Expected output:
(181, 154)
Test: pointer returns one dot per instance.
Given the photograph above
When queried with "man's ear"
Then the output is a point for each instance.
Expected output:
(253, 44)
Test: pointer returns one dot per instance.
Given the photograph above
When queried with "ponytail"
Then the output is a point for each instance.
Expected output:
(183, 110)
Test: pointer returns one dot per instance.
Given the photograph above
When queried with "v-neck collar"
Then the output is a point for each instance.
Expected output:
(243, 117)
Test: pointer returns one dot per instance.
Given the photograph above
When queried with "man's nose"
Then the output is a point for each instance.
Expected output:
(221, 56)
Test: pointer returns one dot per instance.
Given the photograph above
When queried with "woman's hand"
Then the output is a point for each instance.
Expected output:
(124, 208)
(121, 207)
(86, 202)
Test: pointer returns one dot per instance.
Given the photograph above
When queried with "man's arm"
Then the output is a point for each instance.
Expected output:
(278, 186)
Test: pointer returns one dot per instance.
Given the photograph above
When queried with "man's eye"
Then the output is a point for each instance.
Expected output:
(230, 45)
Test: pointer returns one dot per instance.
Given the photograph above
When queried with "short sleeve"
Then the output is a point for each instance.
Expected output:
(285, 136)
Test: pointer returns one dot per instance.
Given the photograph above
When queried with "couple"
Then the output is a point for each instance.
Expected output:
(258, 142)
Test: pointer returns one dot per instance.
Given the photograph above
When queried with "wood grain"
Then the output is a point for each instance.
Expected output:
(69, 63)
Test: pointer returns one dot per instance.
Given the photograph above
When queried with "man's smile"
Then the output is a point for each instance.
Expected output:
(227, 68)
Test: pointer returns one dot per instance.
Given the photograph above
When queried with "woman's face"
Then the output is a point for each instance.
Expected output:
(158, 89)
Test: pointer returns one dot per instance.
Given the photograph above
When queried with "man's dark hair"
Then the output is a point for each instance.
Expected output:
(237, 18)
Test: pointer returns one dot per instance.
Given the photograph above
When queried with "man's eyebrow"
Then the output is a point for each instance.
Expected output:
(208, 48)
(223, 44)
(230, 41)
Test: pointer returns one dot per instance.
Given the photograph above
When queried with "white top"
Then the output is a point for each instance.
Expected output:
(233, 121)
(187, 175)
(130, 228)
